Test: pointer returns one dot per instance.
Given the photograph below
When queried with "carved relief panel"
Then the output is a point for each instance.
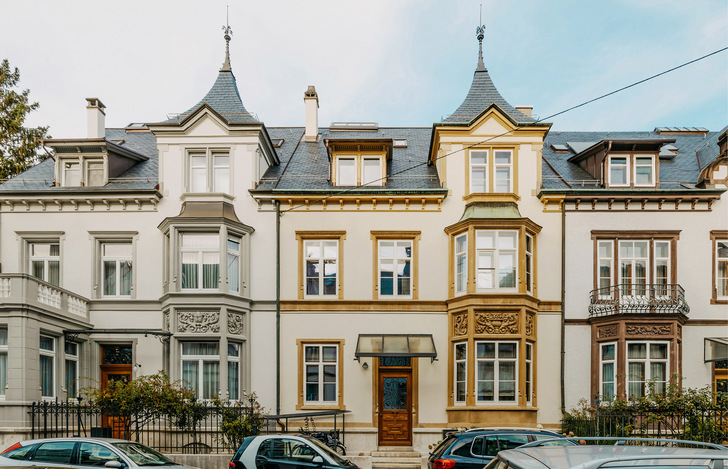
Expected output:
(198, 322)
(460, 324)
(235, 323)
(496, 323)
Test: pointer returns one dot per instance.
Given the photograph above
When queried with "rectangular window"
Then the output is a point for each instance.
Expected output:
(71, 362)
(461, 263)
(201, 368)
(72, 173)
(608, 371)
(45, 262)
(116, 268)
(618, 171)
(321, 363)
(395, 268)
(321, 267)
(529, 263)
(721, 268)
(234, 371)
(371, 171)
(496, 372)
(3, 360)
(233, 267)
(633, 265)
(461, 372)
(496, 253)
(503, 170)
(647, 368)
(208, 171)
(529, 373)
(346, 171)
(644, 171)
(200, 261)
(605, 252)
(478, 171)
(662, 268)
(47, 352)
(95, 173)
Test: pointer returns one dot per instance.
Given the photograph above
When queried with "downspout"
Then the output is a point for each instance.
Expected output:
(563, 303)
(278, 307)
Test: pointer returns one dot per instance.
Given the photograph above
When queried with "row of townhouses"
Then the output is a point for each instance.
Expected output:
(482, 271)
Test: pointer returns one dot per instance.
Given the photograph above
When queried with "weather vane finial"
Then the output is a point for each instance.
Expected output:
(480, 30)
(228, 33)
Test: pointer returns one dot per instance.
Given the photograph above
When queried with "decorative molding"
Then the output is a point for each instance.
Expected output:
(530, 324)
(610, 330)
(645, 330)
(198, 321)
(460, 324)
(496, 323)
(165, 321)
(236, 324)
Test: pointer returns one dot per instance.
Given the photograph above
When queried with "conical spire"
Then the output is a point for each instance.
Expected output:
(480, 30)
(228, 35)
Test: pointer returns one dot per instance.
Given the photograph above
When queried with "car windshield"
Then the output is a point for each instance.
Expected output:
(144, 455)
(331, 453)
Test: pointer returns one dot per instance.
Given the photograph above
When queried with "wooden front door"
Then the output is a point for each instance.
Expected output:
(395, 406)
(116, 366)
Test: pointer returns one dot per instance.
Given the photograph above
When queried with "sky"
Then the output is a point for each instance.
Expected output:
(395, 62)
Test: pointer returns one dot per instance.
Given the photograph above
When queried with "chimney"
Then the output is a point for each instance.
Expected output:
(526, 110)
(310, 98)
(96, 118)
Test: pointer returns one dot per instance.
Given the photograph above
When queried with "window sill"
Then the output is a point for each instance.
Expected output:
(719, 301)
(477, 197)
(320, 407)
(206, 197)
(494, 407)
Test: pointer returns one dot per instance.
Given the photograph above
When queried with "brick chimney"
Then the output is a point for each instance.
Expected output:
(96, 118)
(526, 110)
(310, 98)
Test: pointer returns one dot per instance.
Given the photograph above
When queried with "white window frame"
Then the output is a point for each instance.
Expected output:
(497, 166)
(348, 158)
(234, 360)
(52, 355)
(461, 277)
(232, 255)
(647, 361)
(200, 251)
(634, 286)
(45, 259)
(71, 359)
(626, 166)
(377, 180)
(496, 373)
(665, 290)
(211, 169)
(83, 164)
(529, 263)
(320, 363)
(495, 253)
(464, 381)
(201, 359)
(604, 361)
(609, 260)
(66, 164)
(321, 267)
(4, 349)
(652, 170)
(529, 373)
(718, 278)
(119, 260)
(484, 166)
(395, 260)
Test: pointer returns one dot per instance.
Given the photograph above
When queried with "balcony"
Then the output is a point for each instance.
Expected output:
(638, 299)
(27, 291)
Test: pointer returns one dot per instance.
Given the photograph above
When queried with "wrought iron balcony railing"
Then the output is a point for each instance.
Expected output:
(638, 299)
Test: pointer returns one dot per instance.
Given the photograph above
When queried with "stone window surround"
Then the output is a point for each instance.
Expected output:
(490, 168)
(101, 237)
(301, 237)
(209, 152)
(26, 238)
(414, 238)
(339, 404)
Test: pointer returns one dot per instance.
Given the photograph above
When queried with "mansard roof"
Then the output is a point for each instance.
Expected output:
(223, 98)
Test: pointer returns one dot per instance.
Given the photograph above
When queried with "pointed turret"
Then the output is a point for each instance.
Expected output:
(483, 94)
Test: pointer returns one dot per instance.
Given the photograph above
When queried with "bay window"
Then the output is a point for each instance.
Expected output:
(200, 254)
(496, 253)
(234, 371)
(647, 368)
(461, 263)
(47, 361)
(3, 360)
(529, 373)
(461, 372)
(233, 264)
(529, 263)
(496, 371)
(201, 368)
(608, 370)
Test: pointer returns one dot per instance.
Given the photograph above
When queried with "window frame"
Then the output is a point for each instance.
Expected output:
(200, 251)
(302, 237)
(652, 166)
(118, 260)
(74, 360)
(647, 361)
(626, 166)
(322, 405)
(602, 361)
(716, 237)
(485, 166)
(528, 273)
(45, 259)
(83, 162)
(51, 354)
(200, 359)
(359, 157)
(4, 352)
(112, 237)
(496, 373)
(412, 237)
(496, 251)
(528, 384)
(497, 165)
(210, 169)
(458, 275)
(455, 380)
(237, 361)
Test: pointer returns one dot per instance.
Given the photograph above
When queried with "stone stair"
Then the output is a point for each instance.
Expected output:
(396, 457)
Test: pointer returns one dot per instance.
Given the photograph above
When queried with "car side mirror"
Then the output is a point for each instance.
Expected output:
(114, 464)
(317, 460)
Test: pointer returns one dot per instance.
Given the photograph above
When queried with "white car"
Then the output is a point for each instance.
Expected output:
(84, 453)
(287, 452)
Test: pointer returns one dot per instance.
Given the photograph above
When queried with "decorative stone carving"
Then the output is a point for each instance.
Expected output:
(198, 321)
(235, 323)
(610, 330)
(496, 323)
(460, 324)
(165, 321)
(637, 329)
(529, 325)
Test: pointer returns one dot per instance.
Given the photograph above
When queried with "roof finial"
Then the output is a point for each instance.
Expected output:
(480, 30)
(228, 33)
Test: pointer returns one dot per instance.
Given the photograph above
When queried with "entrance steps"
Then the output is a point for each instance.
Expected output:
(396, 457)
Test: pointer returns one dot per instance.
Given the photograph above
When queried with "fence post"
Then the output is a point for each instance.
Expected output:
(45, 419)
(597, 401)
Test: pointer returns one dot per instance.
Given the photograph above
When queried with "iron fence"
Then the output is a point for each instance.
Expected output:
(708, 425)
(638, 299)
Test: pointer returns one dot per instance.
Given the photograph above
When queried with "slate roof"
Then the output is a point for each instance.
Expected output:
(144, 175)
(224, 98)
(676, 173)
(482, 95)
(710, 151)
(305, 165)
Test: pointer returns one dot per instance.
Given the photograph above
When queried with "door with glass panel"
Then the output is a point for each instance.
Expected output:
(395, 401)
(116, 366)
(633, 269)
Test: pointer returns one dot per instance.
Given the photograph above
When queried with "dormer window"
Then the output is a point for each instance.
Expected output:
(82, 171)
(618, 171)
(631, 170)
(359, 164)
(644, 171)
(499, 179)
(209, 171)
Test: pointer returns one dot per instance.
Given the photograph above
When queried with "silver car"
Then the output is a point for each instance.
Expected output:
(84, 453)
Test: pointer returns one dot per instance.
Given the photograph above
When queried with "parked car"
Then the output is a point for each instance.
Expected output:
(287, 452)
(83, 453)
(475, 448)
(626, 453)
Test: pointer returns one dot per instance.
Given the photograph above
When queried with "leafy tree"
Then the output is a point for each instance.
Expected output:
(19, 145)
(240, 419)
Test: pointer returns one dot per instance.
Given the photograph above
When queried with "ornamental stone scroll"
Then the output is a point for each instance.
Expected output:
(460, 324)
(649, 330)
(198, 322)
(496, 323)
(236, 323)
